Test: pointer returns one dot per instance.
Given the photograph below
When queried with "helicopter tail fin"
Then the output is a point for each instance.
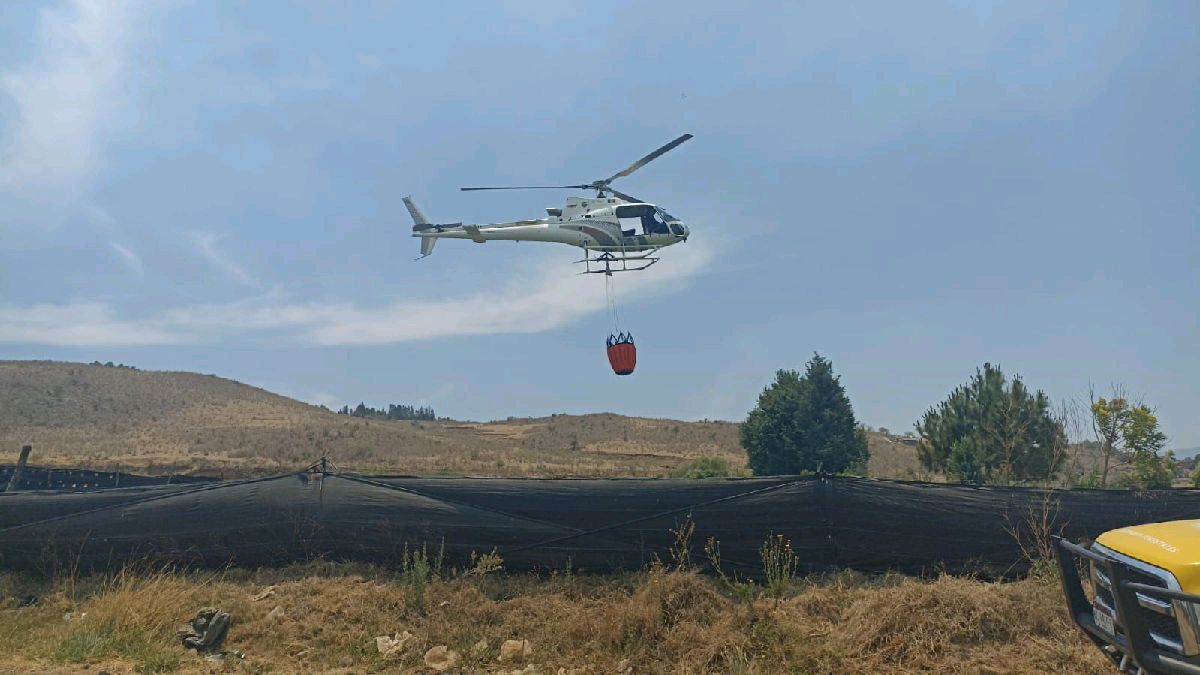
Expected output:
(420, 225)
(420, 222)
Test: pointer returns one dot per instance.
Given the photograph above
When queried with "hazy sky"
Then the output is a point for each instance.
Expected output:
(910, 189)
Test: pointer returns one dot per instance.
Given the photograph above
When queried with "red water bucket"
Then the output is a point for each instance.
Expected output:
(622, 354)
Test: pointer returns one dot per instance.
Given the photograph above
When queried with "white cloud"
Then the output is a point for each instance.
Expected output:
(63, 98)
(545, 298)
(86, 324)
(206, 245)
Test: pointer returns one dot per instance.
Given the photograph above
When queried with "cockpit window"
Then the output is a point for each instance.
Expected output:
(650, 217)
(666, 217)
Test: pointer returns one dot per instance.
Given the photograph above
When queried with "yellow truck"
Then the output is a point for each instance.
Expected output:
(1135, 592)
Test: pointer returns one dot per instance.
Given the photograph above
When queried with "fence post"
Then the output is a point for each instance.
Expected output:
(16, 477)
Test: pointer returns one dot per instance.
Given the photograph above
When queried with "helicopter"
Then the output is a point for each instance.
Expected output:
(618, 232)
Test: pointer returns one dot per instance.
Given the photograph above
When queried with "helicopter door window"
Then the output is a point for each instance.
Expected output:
(631, 217)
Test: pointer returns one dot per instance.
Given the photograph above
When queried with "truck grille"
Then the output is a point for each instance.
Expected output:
(1158, 615)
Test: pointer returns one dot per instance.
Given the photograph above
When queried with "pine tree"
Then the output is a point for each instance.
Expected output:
(989, 430)
(804, 423)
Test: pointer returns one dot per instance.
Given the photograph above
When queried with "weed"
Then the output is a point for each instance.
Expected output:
(96, 642)
(779, 562)
(681, 548)
(416, 572)
(712, 550)
(486, 563)
(84, 646)
(1034, 532)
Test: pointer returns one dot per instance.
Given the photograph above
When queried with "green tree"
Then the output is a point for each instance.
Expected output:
(992, 431)
(1143, 441)
(1109, 417)
(1132, 431)
(804, 423)
(1152, 472)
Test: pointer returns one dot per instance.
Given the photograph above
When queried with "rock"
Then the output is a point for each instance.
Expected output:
(275, 614)
(512, 650)
(441, 658)
(346, 662)
(480, 646)
(393, 646)
(206, 630)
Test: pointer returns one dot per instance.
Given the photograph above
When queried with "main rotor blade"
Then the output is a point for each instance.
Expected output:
(530, 187)
(622, 195)
(649, 158)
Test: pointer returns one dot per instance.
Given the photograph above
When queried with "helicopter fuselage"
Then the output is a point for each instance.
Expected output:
(605, 224)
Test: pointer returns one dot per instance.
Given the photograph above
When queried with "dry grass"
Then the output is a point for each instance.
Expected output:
(659, 621)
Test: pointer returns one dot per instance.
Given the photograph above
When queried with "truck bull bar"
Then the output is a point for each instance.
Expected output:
(1131, 649)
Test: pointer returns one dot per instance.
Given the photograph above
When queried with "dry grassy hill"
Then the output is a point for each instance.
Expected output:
(102, 417)
(145, 421)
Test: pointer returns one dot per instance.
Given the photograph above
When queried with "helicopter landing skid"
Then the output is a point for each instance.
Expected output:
(608, 262)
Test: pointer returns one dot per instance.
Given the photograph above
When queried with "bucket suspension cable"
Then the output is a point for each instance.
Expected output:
(610, 296)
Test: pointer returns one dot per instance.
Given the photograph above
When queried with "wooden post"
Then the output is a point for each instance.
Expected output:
(16, 477)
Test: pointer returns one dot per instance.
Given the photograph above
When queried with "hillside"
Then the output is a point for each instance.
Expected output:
(105, 417)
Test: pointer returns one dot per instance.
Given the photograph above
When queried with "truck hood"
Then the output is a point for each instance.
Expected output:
(1173, 546)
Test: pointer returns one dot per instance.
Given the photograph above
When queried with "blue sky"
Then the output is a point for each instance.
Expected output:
(908, 189)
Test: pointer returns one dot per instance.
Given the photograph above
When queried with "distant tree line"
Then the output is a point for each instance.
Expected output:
(110, 364)
(392, 412)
